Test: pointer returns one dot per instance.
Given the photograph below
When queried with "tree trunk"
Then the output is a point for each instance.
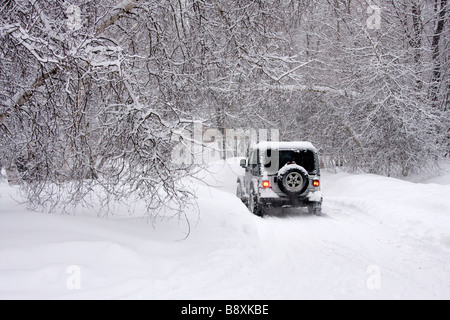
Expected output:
(437, 73)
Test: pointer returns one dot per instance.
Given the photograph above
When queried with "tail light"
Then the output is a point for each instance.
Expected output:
(266, 184)
(316, 183)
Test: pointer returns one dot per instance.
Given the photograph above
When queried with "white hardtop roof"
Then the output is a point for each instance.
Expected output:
(299, 145)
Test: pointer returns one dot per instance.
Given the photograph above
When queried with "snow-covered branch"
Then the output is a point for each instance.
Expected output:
(98, 107)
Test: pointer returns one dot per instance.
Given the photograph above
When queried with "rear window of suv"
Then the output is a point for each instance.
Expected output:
(303, 158)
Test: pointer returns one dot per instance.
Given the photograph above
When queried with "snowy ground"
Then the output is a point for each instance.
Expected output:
(381, 238)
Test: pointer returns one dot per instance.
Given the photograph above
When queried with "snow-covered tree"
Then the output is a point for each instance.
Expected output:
(94, 94)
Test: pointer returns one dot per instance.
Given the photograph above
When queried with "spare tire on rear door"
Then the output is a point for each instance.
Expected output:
(293, 180)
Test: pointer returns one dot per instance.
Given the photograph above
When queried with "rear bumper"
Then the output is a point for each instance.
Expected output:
(286, 202)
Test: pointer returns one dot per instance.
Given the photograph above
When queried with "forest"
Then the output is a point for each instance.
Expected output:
(94, 94)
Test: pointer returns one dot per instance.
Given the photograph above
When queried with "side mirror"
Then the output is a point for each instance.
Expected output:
(244, 163)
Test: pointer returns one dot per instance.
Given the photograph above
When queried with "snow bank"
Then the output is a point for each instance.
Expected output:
(124, 258)
(443, 180)
(418, 210)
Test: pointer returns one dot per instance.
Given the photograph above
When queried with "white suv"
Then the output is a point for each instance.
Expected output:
(281, 175)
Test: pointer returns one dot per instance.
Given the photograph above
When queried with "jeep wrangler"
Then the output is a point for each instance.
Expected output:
(281, 175)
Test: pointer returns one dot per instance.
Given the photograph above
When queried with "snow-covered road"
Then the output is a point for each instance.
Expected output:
(380, 238)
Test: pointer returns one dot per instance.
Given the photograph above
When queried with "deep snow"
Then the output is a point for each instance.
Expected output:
(380, 238)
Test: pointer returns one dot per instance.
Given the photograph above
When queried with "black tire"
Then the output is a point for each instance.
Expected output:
(239, 194)
(294, 182)
(254, 206)
(315, 210)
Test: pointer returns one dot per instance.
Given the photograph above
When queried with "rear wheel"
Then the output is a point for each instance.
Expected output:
(254, 207)
(315, 209)
(240, 194)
